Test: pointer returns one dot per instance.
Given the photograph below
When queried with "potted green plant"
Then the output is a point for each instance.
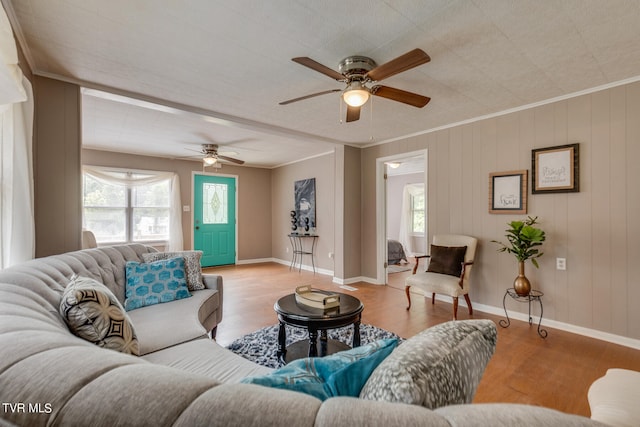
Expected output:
(524, 240)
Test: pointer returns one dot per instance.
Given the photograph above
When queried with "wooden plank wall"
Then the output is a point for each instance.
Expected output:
(596, 230)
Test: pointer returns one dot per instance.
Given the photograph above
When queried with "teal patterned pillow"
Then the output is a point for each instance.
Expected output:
(340, 374)
(154, 282)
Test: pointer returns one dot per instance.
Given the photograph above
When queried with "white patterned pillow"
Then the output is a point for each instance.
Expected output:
(440, 366)
(192, 266)
(93, 312)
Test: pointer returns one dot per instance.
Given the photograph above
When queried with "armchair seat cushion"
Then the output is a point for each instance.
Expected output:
(437, 283)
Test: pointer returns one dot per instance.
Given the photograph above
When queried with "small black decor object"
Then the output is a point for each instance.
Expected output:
(306, 225)
(294, 221)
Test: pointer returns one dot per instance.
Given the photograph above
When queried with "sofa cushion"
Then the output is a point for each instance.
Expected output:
(446, 260)
(164, 325)
(192, 266)
(207, 358)
(93, 313)
(440, 366)
(154, 282)
(341, 374)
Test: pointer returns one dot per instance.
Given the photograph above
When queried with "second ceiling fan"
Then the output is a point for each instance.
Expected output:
(360, 74)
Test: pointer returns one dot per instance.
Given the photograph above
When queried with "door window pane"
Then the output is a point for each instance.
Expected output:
(215, 207)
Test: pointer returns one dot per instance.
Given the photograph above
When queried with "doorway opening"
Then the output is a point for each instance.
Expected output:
(402, 201)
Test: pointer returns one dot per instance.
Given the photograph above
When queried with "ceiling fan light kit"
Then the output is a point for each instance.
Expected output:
(211, 156)
(209, 159)
(356, 94)
(357, 71)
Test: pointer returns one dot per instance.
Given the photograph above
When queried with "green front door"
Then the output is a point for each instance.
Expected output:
(214, 219)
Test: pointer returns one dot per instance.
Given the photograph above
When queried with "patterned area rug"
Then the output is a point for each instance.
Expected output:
(261, 346)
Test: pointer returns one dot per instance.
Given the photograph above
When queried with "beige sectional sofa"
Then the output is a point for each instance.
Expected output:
(48, 376)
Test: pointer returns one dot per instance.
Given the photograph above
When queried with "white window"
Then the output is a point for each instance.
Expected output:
(417, 212)
(120, 213)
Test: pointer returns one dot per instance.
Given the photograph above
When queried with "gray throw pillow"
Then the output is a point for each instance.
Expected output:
(446, 260)
(93, 312)
(192, 267)
(440, 366)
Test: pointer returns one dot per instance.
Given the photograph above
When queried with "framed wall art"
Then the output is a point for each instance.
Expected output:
(555, 169)
(508, 192)
(305, 203)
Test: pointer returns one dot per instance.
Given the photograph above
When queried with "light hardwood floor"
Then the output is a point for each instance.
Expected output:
(555, 372)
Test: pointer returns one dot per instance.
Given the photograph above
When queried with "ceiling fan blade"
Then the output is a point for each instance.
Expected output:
(316, 66)
(399, 95)
(353, 113)
(231, 159)
(227, 153)
(402, 63)
(187, 157)
(309, 96)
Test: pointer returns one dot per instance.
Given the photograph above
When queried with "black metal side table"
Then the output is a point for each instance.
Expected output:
(299, 250)
(534, 295)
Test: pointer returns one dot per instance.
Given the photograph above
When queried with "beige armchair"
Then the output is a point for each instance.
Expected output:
(88, 239)
(448, 271)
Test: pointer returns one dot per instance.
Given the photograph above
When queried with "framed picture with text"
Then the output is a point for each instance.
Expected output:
(508, 192)
(555, 169)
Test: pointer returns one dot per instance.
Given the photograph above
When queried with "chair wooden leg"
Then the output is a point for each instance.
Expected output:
(433, 298)
(455, 308)
(406, 291)
(466, 298)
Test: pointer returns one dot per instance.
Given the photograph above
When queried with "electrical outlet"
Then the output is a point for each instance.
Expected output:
(287, 249)
(561, 263)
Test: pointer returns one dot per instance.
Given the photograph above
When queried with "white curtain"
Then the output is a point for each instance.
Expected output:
(408, 191)
(17, 229)
(175, 212)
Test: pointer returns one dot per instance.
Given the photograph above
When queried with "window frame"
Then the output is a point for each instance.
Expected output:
(413, 210)
(129, 209)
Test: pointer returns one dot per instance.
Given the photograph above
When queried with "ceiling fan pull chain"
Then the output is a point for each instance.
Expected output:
(371, 120)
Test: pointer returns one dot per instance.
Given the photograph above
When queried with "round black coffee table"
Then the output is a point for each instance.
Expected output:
(290, 312)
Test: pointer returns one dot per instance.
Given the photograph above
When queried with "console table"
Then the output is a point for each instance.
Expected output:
(301, 249)
(534, 295)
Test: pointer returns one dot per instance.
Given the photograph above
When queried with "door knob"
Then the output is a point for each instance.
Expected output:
(197, 227)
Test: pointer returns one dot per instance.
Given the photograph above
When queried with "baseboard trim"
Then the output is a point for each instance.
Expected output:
(305, 267)
(567, 327)
(255, 261)
(352, 280)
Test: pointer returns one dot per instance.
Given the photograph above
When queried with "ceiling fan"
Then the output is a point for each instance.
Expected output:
(211, 156)
(360, 74)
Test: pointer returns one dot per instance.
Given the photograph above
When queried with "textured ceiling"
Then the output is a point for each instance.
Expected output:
(223, 66)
